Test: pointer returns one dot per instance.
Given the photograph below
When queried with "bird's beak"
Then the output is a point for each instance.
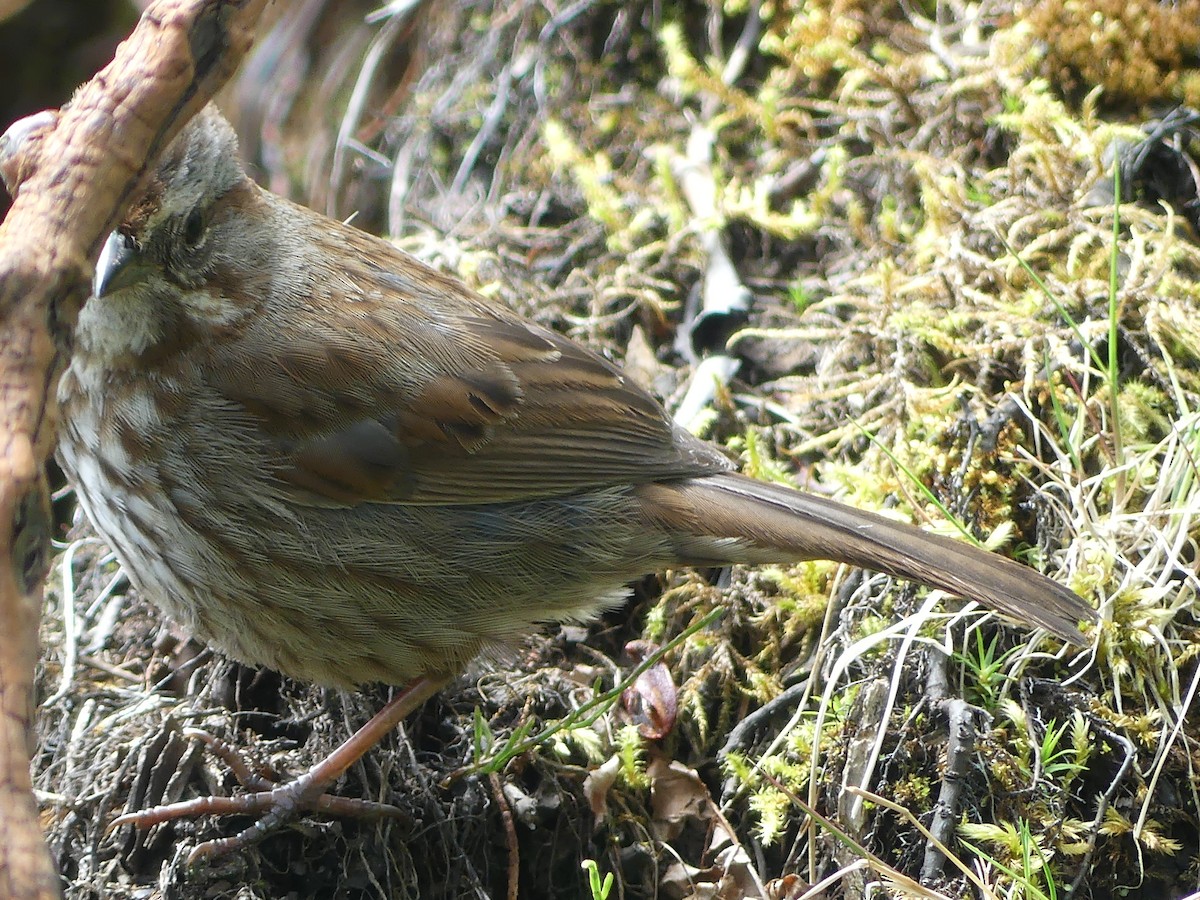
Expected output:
(121, 265)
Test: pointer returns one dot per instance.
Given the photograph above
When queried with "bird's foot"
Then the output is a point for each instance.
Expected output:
(276, 803)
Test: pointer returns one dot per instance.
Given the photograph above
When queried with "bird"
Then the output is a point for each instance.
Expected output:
(320, 455)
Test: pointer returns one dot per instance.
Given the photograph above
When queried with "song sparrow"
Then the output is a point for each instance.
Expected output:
(322, 456)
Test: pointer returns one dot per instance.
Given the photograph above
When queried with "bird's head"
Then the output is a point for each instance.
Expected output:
(168, 231)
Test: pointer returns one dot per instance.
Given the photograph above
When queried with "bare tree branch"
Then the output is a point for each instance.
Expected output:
(72, 174)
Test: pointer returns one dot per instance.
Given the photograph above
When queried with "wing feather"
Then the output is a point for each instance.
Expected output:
(442, 398)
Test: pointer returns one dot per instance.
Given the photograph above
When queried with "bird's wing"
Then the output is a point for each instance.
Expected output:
(425, 392)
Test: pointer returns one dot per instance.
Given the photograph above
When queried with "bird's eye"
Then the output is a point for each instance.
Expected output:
(193, 228)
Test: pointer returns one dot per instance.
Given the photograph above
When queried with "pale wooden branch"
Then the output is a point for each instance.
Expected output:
(72, 174)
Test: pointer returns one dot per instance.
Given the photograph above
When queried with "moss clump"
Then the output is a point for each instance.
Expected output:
(1139, 52)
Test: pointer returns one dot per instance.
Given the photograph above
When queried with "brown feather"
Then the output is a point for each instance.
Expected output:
(778, 524)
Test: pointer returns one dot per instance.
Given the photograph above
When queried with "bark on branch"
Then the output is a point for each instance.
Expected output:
(72, 174)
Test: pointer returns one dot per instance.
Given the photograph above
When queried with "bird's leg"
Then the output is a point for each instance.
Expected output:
(278, 803)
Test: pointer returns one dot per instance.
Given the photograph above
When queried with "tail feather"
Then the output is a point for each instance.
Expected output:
(771, 523)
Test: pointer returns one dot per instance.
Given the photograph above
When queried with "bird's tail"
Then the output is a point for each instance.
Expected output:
(722, 519)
